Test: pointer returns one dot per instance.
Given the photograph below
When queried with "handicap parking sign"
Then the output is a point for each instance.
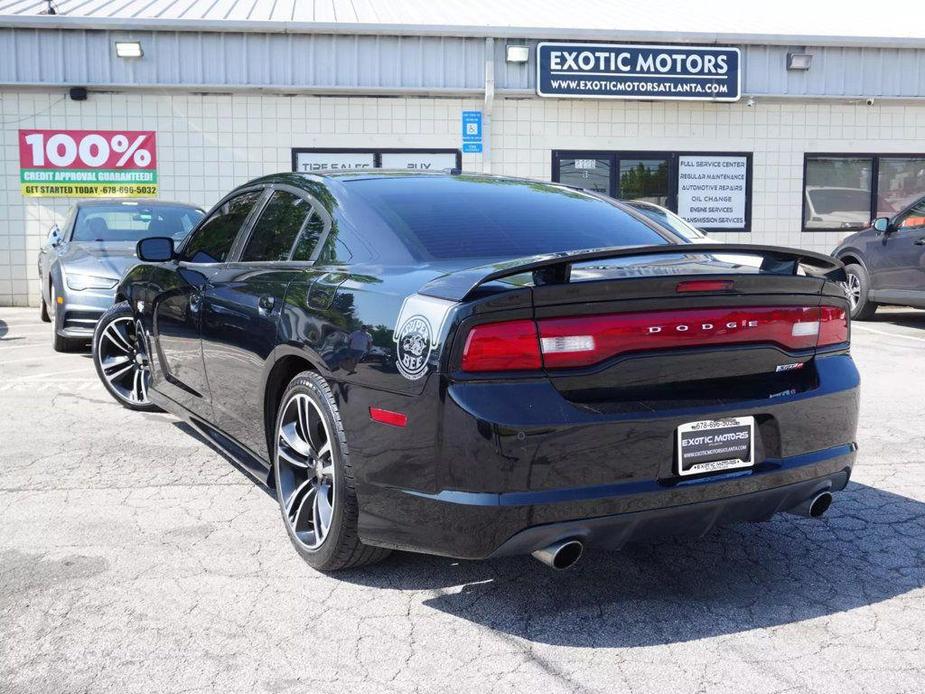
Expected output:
(472, 126)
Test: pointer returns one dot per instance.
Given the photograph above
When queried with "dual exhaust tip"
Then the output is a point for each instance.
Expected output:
(563, 554)
(560, 555)
(815, 506)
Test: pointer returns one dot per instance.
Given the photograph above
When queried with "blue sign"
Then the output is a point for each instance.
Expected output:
(472, 147)
(472, 126)
(627, 71)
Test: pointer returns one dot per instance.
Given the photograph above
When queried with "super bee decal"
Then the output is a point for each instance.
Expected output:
(418, 333)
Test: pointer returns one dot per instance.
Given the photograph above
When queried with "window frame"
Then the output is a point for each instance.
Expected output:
(875, 158)
(673, 157)
(316, 208)
(245, 225)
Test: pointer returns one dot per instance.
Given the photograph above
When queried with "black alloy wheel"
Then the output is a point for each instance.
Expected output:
(120, 355)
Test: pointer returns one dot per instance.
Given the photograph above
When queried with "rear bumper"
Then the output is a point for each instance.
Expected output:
(689, 520)
(479, 525)
(517, 473)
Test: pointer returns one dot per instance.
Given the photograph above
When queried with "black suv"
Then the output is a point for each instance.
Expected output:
(886, 262)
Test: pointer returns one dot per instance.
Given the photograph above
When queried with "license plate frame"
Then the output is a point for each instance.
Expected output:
(710, 451)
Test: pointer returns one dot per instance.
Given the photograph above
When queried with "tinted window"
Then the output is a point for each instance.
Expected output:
(276, 229)
(311, 232)
(131, 221)
(469, 217)
(914, 219)
(213, 240)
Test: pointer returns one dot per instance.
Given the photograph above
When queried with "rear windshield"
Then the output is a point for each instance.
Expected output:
(131, 222)
(443, 218)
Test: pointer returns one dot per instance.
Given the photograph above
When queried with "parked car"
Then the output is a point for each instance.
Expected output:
(885, 263)
(80, 264)
(669, 220)
(827, 207)
(474, 366)
(681, 227)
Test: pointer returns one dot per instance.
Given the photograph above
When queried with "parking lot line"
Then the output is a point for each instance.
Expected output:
(864, 328)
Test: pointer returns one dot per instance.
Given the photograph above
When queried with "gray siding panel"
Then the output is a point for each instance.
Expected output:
(343, 62)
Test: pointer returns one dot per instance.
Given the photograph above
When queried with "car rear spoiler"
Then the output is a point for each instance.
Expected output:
(555, 268)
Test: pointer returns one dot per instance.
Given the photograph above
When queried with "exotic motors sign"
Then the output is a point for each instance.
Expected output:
(608, 71)
(88, 163)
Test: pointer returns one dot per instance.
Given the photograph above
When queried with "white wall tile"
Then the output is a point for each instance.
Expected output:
(209, 144)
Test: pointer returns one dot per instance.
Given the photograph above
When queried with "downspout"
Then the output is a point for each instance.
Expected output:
(489, 103)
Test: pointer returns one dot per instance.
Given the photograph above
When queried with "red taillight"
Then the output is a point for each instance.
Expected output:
(508, 346)
(833, 325)
(587, 340)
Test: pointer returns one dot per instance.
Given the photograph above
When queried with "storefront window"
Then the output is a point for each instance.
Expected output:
(844, 192)
(900, 182)
(712, 188)
(837, 193)
(587, 173)
(644, 179)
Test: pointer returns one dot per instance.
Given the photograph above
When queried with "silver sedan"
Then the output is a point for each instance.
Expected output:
(81, 263)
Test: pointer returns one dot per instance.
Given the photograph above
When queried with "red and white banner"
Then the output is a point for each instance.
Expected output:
(88, 163)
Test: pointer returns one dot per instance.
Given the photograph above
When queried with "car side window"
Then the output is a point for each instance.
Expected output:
(212, 241)
(914, 219)
(277, 228)
(308, 239)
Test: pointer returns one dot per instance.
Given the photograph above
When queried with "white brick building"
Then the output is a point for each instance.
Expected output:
(231, 93)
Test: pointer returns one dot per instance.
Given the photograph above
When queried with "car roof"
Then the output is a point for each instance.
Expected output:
(302, 180)
(103, 202)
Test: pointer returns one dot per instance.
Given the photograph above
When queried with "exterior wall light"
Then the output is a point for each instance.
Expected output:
(799, 61)
(518, 54)
(129, 49)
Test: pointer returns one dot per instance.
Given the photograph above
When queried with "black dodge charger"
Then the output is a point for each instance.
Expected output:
(476, 366)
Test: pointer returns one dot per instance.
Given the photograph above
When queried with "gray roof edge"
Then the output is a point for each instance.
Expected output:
(475, 31)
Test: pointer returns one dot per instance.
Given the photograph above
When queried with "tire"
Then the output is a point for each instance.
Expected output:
(58, 342)
(315, 470)
(857, 287)
(121, 359)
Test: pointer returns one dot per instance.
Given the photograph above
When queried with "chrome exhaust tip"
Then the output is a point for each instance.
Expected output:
(815, 506)
(560, 555)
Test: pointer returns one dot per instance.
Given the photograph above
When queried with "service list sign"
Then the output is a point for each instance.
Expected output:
(626, 71)
(712, 191)
(88, 163)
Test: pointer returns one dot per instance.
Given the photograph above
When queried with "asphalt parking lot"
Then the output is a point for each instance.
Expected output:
(134, 558)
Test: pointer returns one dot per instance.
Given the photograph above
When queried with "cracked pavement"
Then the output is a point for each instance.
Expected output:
(135, 558)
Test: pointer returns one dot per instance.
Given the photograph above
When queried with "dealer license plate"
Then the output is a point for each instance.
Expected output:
(716, 444)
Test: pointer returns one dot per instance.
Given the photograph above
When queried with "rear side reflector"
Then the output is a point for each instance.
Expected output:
(396, 419)
(508, 346)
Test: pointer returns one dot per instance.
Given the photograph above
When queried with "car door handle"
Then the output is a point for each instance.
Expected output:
(265, 304)
(920, 242)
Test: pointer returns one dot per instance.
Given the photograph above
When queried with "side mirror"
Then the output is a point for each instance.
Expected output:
(882, 225)
(157, 249)
(54, 236)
